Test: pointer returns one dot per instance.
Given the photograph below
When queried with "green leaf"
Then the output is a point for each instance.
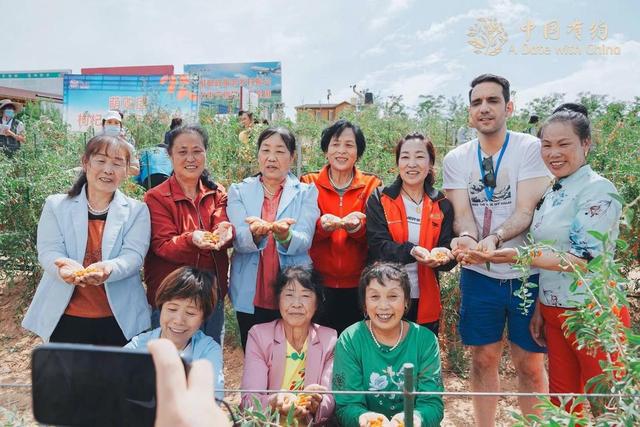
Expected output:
(622, 245)
(597, 235)
(290, 420)
(618, 198)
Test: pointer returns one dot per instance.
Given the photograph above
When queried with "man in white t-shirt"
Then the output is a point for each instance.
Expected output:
(494, 183)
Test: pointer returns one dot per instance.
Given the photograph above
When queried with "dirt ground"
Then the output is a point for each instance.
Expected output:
(16, 345)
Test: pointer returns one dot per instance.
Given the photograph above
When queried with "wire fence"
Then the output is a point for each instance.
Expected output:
(408, 393)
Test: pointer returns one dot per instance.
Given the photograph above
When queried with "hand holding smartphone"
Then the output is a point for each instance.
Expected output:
(84, 385)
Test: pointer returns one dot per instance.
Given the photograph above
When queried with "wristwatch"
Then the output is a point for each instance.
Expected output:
(499, 237)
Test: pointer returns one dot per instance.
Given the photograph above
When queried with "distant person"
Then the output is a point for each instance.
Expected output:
(175, 122)
(185, 298)
(112, 126)
(246, 120)
(91, 244)
(533, 125)
(465, 134)
(11, 129)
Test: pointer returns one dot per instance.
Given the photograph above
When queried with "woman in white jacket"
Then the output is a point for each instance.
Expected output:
(91, 245)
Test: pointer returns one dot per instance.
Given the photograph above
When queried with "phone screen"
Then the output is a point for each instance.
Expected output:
(80, 385)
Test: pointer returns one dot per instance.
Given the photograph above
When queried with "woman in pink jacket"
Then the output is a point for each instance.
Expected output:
(292, 353)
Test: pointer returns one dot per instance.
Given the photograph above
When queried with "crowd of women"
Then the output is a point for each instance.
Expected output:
(333, 277)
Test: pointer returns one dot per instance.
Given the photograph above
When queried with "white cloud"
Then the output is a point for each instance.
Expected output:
(384, 16)
(608, 75)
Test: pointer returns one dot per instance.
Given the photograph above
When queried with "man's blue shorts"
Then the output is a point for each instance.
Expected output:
(486, 304)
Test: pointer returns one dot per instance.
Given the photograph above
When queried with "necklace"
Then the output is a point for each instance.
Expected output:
(376, 341)
(94, 211)
(343, 187)
(269, 192)
(418, 204)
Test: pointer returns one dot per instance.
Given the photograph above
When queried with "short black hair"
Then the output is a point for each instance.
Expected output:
(336, 129)
(286, 135)
(381, 271)
(483, 78)
(248, 113)
(189, 283)
(308, 279)
(175, 122)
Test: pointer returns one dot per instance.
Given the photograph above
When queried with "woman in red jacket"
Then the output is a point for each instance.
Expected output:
(411, 223)
(189, 224)
(339, 249)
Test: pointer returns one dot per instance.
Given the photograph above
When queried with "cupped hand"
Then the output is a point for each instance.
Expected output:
(98, 273)
(461, 245)
(258, 227)
(330, 222)
(67, 269)
(398, 420)
(373, 419)
(315, 398)
(420, 254)
(439, 256)
(353, 220)
(281, 228)
(224, 231)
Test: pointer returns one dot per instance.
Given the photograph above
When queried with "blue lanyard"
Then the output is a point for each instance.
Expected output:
(489, 190)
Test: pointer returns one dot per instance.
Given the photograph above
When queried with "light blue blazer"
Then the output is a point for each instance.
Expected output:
(298, 201)
(204, 347)
(62, 233)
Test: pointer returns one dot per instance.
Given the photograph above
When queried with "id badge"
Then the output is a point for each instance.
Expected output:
(486, 222)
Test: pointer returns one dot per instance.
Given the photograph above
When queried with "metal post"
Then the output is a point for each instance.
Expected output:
(408, 394)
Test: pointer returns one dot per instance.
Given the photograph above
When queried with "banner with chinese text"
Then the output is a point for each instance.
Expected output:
(88, 97)
(220, 84)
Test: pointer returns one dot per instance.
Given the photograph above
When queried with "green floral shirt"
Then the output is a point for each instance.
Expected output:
(360, 365)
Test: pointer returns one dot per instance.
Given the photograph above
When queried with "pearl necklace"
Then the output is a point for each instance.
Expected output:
(376, 341)
(94, 211)
(343, 187)
(269, 192)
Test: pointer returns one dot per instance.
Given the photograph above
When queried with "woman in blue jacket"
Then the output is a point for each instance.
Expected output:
(274, 216)
(185, 298)
(91, 244)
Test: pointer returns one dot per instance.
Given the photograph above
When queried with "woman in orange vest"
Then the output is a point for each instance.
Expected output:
(339, 249)
(411, 222)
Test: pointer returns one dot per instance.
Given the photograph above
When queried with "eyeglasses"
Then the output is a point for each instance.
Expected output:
(489, 178)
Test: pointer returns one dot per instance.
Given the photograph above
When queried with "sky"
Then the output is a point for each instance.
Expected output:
(390, 47)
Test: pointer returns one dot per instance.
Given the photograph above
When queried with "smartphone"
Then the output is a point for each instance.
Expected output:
(86, 385)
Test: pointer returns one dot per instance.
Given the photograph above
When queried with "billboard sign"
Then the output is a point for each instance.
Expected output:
(136, 70)
(88, 97)
(47, 81)
(220, 84)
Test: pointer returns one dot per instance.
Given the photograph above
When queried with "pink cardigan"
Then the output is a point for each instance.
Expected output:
(264, 363)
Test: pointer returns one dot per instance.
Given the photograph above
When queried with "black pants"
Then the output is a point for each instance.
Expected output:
(82, 330)
(412, 315)
(341, 308)
(247, 320)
